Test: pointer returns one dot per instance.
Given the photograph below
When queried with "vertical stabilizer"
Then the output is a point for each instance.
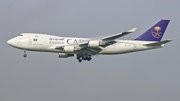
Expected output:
(155, 33)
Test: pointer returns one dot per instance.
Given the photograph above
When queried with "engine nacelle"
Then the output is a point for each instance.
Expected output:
(64, 55)
(69, 49)
(93, 44)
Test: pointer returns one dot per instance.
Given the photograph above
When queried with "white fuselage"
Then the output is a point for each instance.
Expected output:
(47, 43)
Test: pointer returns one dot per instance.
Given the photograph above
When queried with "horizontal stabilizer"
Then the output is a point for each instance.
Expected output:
(158, 43)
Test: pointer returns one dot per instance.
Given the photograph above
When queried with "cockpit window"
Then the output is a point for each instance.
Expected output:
(21, 35)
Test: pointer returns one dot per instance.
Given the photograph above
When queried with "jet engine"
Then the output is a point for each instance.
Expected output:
(64, 55)
(69, 49)
(93, 44)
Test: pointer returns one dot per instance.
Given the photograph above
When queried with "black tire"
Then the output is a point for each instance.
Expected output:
(80, 60)
(25, 55)
(89, 59)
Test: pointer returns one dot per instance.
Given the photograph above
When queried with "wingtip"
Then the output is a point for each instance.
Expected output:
(133, 30)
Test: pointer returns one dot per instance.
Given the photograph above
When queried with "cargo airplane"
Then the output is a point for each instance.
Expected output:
(85, 48)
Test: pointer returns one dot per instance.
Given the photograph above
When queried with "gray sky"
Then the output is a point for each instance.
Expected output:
(143, 76)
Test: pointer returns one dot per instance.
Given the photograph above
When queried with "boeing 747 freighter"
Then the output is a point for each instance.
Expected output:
(85, 48)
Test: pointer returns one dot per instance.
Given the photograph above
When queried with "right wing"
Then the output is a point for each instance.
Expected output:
(115, 36)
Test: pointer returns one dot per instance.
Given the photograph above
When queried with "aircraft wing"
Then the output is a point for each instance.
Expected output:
(115, 36)
(110, 39)
(79, 45)
(90, 51)
(84, 47)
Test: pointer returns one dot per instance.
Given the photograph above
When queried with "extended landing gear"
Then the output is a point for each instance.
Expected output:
(80, 60)
(25, 55)
(81, 57)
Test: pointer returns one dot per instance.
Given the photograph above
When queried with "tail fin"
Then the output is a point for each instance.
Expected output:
(155, 33)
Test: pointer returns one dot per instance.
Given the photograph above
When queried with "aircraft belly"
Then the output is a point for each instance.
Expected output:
(117, 49)
(121, 48)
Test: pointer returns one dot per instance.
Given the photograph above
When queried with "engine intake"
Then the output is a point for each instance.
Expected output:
(69, 49)
(93, 44)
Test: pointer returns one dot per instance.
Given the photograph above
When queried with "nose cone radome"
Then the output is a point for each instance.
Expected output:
(12, 42)
(8, 42)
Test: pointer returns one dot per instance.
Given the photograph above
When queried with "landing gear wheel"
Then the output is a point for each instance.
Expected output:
(81, 57)
(89, 58)
(80, 60)
(25, 55)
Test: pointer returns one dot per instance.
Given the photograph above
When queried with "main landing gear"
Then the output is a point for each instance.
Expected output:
(25, 55)
(81, 57)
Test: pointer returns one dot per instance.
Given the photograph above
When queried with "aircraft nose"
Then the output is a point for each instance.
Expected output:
(11, 42)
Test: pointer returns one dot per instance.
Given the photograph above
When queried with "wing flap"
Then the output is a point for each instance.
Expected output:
(91, 51)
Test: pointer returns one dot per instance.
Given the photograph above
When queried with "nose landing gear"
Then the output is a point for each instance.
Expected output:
(25, 55)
